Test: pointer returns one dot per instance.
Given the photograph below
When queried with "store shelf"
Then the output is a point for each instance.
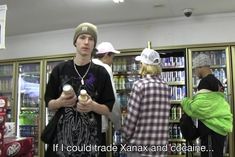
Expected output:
(198, 155)
(6, 91)
(29, 108)
(28, 125)
(126, 73)
(5, 76)
(176, 83)
(175, 101)
(176, 140)
(174, 121)
(172, 67)
(29, 73)
(217, 66)
(123, 91)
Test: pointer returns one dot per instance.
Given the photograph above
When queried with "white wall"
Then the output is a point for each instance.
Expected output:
(164, 32)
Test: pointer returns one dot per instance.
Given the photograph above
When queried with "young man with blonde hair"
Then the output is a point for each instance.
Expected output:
(148, 109)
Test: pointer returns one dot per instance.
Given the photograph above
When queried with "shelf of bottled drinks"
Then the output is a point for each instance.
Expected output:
(6, 85)
(220, 67)
(174, 72)
(26, 108)
(125, 71)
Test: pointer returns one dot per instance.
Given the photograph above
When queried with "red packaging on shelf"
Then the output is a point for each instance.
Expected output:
(3, 104)
(1, 135)
(17, 147)
(2, 120)
(1, 149)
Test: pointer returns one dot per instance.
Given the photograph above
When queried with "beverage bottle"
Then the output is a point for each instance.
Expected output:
(175, 131)
(170, 130)
(171, 61)
(173, 151)
(178, 93)
(123, 117)
(178, 112)
(223, 58)
(114, 138)
(118, 66)
(179, 152)
(125, 100)
(68, 89)
(180, 136)
(163, 62)
(222, 75)
(218, 58)
(122, 83)
(171, 113)
(117, 138)
(166, 76)
(133, 67)
(127, 83)
(176, 76)
(119, 83)
(182, 61)
(124, 63)
(115, 80)
(163, 76)
(169, 76)
(183, 145)
(9, 118)
(121, 64)
(212, 57)
(216, 73)
(174, 93)
(83, 96)
(181, 76)
(114, 66)
(174, 115)
(198, 143)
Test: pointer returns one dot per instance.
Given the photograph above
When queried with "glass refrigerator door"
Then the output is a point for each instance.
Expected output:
(126, 72)
(49, 66)
(28, 102)
(232, 96)
(220, 66)
(7, 89)
(48, 114)
(174, 74)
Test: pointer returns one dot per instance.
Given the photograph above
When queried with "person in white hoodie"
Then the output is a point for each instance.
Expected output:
(104, 57)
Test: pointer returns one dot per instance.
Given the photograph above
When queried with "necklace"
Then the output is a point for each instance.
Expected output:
(82, 77)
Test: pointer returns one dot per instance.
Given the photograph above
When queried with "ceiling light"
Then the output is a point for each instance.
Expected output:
(118, 1)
